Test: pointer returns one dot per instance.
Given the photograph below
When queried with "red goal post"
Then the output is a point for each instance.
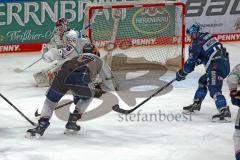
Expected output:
(155, 29)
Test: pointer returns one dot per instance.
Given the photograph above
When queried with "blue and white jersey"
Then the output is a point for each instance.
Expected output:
(202, 51)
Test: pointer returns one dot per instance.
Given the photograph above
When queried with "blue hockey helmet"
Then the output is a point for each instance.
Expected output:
(194, 28)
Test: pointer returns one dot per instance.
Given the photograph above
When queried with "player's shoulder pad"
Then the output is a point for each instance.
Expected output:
(202, 38)
(205, 36)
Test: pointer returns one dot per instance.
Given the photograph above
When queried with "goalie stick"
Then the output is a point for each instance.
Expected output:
(31, 122)
(123, 111)
(19, 70)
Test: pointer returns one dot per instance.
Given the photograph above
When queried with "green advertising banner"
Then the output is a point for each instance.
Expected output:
(26, 24)
(137, 22)
(33, 22)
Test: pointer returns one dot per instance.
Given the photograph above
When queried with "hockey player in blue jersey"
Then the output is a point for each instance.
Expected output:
(205, 49)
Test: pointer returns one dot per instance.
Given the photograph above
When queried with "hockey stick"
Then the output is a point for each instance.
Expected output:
(237, 123)
(36, 114)
(19, 70)
(123, 111)
(32, 123)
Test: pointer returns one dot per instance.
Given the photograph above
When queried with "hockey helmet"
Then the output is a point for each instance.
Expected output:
(71, 37)
(62, 25)
(91, 48)
(194, 28)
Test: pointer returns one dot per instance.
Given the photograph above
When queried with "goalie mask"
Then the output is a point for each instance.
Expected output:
(62, 26)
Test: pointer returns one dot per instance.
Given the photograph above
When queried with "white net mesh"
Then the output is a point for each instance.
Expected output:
(138, 32)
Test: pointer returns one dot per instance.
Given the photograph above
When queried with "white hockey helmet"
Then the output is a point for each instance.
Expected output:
(71, 37)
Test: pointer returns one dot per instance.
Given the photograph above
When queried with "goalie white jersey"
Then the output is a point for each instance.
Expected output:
(56, 41)
(75, 50)
(68, 50)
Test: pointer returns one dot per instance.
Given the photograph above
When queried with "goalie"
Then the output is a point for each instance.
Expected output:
(233, 82)
(45, 76)
(75, 74)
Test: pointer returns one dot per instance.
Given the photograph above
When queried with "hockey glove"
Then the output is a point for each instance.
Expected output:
(225, 53)
(98, 92)
(235, 97)
(180, 75)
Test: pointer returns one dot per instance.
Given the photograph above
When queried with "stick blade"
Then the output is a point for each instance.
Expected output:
(36, 114)
(18, 70)
(117, 108)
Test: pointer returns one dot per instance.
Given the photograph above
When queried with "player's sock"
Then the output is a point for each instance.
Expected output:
(224, 115)
(43, 123)
(71, 125)
(193, 108)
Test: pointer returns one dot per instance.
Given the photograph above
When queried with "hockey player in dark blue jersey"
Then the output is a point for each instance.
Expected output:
(205, 49)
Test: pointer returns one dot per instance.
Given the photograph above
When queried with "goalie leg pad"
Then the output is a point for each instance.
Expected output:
(45, 77)
(41, 79)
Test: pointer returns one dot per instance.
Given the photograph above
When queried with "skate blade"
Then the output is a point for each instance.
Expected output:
(30, 136)
(69, 131)
(186, 112)
(225, 120)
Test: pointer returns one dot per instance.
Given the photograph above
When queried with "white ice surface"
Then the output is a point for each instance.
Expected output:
(107, 137)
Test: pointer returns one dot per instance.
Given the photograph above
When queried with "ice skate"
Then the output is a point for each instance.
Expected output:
(224, 116)
(71, 126)
(193, 108)
(39, 130)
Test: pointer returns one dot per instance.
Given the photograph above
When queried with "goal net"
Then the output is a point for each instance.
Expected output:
(138, 35)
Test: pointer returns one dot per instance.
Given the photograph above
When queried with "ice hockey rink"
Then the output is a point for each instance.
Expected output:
(111, 136)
